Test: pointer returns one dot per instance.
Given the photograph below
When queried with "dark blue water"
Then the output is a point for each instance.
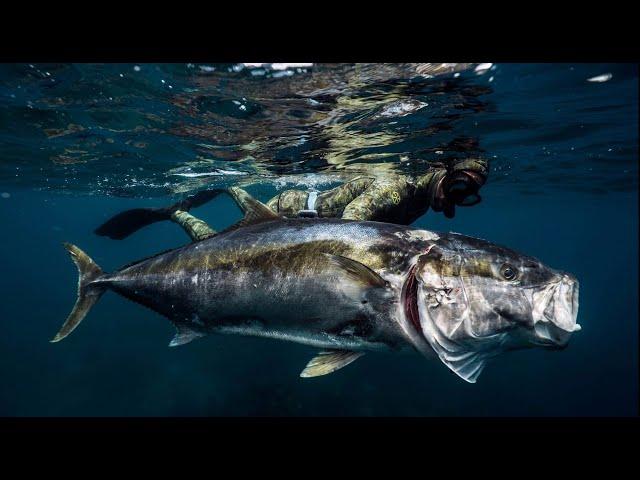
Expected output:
(81, 143)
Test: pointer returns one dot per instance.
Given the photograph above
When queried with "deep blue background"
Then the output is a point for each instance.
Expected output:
(118, 363)
(563, 187)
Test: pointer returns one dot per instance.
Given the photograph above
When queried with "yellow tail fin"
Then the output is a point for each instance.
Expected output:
(88, 293)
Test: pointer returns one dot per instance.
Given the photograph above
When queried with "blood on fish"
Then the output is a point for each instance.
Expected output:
(410, 299)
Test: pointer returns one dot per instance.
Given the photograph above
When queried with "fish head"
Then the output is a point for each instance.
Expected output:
(475, 300)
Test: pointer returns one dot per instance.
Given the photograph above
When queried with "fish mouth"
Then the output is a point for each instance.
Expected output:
(554, 327)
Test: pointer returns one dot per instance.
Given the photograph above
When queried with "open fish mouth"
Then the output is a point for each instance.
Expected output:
(558, 320)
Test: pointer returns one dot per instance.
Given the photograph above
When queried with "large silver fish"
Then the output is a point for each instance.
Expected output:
(347, 287)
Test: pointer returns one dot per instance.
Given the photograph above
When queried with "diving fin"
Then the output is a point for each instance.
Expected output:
(130, 221)
(198, 199)
(329, 361)
(88, 292)
(184, 336)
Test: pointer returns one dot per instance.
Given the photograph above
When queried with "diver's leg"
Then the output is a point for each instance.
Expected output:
(198, 229)
(243, 199)
(130, 221)
(194, 227)
(126, 223)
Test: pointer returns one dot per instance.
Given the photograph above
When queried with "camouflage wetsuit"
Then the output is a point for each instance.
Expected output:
(393, 198)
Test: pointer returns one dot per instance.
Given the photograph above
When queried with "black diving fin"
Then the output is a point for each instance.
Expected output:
(130, 221)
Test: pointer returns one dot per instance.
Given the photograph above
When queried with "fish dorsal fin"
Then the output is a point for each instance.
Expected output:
(357, 271)
(184, 335)
(254, 211)
(329, 361)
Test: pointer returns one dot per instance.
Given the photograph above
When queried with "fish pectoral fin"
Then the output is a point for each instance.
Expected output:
(328, 361)
(357, 271)
(467, 366)
(183, 336)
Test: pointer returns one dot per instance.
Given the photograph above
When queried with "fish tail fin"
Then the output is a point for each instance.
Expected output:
(88, 292)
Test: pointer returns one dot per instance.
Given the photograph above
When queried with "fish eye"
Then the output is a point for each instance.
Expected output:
(508, 272)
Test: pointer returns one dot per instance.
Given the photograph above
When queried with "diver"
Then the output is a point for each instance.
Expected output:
(393, 198)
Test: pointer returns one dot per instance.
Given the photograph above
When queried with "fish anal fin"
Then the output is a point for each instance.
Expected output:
(357, 271)
(328, 361)
(184, 336)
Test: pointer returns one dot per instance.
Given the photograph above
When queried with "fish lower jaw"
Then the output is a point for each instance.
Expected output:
(549, 334)
(558, 320)
(576, 327)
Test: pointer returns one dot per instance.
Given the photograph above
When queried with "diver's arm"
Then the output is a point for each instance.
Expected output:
(395, 199)
(384, 199)
(332, 203)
